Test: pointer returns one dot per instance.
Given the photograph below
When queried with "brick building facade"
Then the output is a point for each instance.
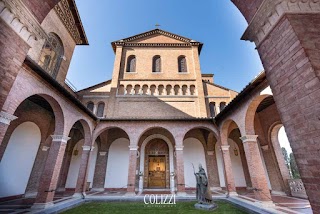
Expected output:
(159, 113)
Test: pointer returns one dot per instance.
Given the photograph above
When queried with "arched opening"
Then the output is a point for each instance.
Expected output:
(51, 55)
(212, 107)
(156, 64)
(18, 159)
(182, 64)
(90, 106)
(199, 148)
(156, 161)
(100, 109)
(131, 64)
(112, 163)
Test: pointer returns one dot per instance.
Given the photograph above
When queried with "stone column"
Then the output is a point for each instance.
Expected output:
(100, 171)
(256, 169)
(82, 176)
(49, 178)
(212, 169)
(132, 175)
(180, 170)
(229, 177)
(5, 120)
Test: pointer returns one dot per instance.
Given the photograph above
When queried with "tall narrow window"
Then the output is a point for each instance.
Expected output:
(90, 106)
(131, 64)
(100, 109)
(51, 55)
(156, 64)
(222, 105)
(182, 64)
(212, 107)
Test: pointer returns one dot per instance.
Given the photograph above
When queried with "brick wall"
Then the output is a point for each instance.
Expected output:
(13, 51)
(290, 55)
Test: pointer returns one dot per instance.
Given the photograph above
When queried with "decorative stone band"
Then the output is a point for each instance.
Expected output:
(249, 138)
(225, 147)
(270, 12)
(102, 153)
(86, 148)
(210, 153)
(6, 118)
(179, 148)
(21, 20)
(45, 148)
(133, 148)
(60, 138)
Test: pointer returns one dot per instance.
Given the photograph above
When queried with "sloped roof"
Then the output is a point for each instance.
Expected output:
(96, 85)
(187, 41)
(219, 86)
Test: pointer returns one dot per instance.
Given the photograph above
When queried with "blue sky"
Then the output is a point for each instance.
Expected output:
(216, 23)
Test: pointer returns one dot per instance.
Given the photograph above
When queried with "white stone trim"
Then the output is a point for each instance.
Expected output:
(270, 12)
(45, 148)
(142, 155)
(102, 153)
(249, 138)
(60, 138)
(86, 148)
(225, 147)
(96, 96)
(179, 148)
(21, 20)
(211, 153)
(6, 118)
(133, 148)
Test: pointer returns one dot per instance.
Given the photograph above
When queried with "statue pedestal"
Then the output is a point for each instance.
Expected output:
(208, 207)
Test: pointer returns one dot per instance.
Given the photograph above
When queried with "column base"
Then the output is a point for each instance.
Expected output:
(39, 206)
(265, 204)
(215, 188)
(232, 194)
(98, 189)
(131, 194)
(79, 195)
(30, 194)
(278, 193)
(181, 194)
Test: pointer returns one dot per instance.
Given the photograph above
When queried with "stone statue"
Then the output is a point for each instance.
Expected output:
(203, 194)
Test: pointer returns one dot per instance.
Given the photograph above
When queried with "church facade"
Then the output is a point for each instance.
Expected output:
(146, 129)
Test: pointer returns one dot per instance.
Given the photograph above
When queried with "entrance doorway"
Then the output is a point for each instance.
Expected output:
(157, 172)
(156, 165)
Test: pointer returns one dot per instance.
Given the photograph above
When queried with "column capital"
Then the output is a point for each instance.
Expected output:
(225, 147)
(179, 148)
(249, 138)
(210, 153)
(102, 153)
(60, 138)
(45, 148)
(133, 148)
(6, 118)
(86, 148)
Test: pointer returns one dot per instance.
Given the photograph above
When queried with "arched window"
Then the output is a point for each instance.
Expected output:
(100, 109)
(131, 64)
(212, 107)
(222, 105)
(90, 106)
(182, 64)
(156, 64)
(51, 55)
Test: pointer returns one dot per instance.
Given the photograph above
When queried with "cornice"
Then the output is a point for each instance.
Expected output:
(68, 13)
(21, 20)
(271, 11)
